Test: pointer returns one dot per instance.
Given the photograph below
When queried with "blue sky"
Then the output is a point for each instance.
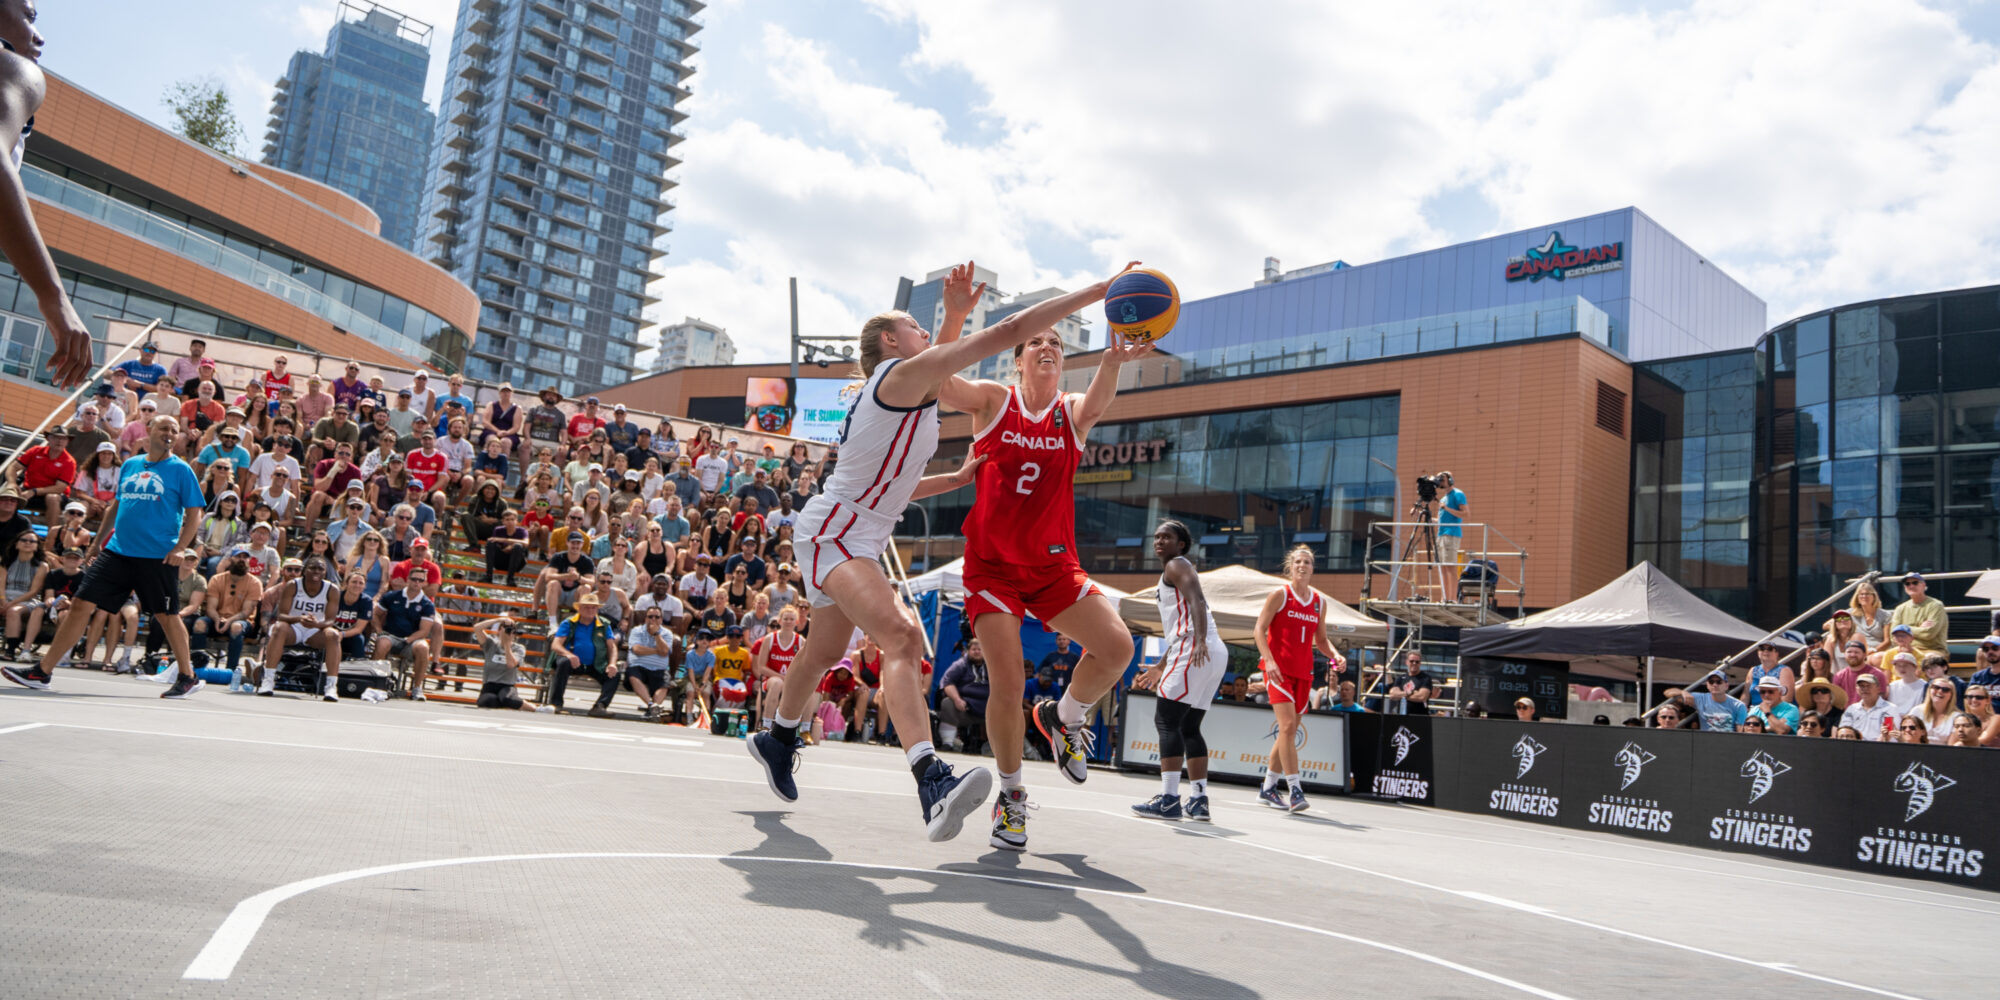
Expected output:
(1820, 153)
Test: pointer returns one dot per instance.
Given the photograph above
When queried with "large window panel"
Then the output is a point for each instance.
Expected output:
(1855, 484)
(1974, 485)
(1909, 543)
(1972, 312)
(1975, 542)
(1857, 426)
(1909, 423)
(1811, 438)
(1856, 326)
(1972, 361)
(1973, 417)
(1910, 320)
(1909, 487)
(1812, 385)
(1857, 371)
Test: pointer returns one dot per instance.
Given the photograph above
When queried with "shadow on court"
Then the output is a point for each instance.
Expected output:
(855, 893)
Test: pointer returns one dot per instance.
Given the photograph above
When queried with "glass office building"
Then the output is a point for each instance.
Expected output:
(1875, 430)
(354, 118)
(548, 188)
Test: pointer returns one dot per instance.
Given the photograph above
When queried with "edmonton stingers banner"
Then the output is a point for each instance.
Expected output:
(1919, 811)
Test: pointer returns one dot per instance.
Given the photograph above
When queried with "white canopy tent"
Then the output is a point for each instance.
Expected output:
(1236, 596)
(950, 578)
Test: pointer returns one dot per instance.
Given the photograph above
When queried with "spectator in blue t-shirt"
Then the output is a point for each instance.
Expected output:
(146, 371)
(1041, 686)
(1718, 712)
(224, 446)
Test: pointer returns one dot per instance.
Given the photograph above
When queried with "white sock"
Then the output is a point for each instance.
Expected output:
(1293, 781)
(1070, 710)
(1010, 781)
(787, 723)
(1271, 777)
(917, 753)
(1200, 786)
(1170, 784)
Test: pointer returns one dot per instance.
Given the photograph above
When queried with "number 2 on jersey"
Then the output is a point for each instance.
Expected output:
(1029, 473)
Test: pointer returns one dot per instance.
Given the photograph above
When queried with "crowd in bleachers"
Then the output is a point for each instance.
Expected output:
(467, 543)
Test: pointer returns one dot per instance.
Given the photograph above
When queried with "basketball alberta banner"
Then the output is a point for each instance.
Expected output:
(809, 408)
(1239, 741)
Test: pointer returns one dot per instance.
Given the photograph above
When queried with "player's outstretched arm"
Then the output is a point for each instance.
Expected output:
(930, 368)
(931, 486)
(21, 90)
(1104, 384)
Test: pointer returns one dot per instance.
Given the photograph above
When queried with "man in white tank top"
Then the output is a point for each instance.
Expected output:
(303, 615)
(22, 88)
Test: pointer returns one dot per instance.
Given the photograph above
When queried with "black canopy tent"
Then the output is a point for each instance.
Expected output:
(1672, 635)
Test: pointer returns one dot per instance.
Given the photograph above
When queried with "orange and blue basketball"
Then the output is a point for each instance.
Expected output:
(1142, 304)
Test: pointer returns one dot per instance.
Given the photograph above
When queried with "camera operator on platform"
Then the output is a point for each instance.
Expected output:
(1452, 507)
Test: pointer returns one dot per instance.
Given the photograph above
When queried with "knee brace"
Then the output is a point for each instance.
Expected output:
(1191, 738)
(1167, 722)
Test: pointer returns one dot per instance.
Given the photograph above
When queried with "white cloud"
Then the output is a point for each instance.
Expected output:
(1820, 154)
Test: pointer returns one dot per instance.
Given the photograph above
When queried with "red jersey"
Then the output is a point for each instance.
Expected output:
(1293, 631)
(582, 424)
(836, 687)
(779, 657)
(47, 467)
(1024, 513)
(426, 468)
(272, 383)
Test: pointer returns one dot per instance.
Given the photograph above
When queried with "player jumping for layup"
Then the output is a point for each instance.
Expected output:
(1020, 555)
(1291, 626)
(890, 435)
(1189, 672)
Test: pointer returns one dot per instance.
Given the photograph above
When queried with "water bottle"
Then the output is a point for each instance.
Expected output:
(236, 679)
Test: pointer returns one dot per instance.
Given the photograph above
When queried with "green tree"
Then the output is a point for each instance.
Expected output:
(203, 113)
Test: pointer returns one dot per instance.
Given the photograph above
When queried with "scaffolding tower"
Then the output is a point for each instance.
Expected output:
(1483, 586)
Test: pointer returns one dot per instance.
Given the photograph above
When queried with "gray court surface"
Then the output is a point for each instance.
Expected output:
(254, 847)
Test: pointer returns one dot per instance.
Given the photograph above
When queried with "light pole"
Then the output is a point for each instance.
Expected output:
(824, 346)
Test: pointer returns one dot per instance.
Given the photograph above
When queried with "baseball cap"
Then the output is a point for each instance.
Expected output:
(1913, 575)
(237, 410)
(354, 486)
(733, 630)
(150, 348)
(669, 577)
(1770, 683)
(420, 544)
(148, 404)
(1857, 644)
(1715, 675)
(1991, 640)
(1843, 613)
(594, 467)
(107, 446)
(619, 408)
(356, 502)
(632, 475)
(1901, 628)
(683, 460)
(703, 557)
(1903, 658)
(1767, 644)
(293, 563)
(404, 391)
(260, 526)
(106, 390)
(592, 401)
(205, 363)
(1864, 678)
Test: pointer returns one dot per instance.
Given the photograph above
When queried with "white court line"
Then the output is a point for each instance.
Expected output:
(218, 958)
(1529, 909)
(16, 729)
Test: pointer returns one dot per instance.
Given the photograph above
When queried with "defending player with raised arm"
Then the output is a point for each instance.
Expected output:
(1020, 556)
(1290, 626)
(22, 88)
(1186, 677)
(888, 438)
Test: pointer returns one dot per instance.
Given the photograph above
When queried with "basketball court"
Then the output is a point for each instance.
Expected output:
(235, 846)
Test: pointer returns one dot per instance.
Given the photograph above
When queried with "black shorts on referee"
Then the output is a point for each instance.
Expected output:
(113, 578)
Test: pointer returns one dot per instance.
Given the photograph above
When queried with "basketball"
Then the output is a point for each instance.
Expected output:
(1142, 304)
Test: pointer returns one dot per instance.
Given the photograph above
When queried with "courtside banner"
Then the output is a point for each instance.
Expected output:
(1627, 780)
(1405, 759)
(1779, 796)
(1239, 741)
(1923, 811)
(1511, 769)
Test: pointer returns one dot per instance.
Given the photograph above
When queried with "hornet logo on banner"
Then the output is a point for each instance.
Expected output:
(1926, 850)
(1633, 759)
(1525, 753)
(1922, 784)
(1403, 740)
(1298, 736)
(1762, 769)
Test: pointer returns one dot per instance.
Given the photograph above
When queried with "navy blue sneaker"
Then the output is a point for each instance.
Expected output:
(27, 677)
(1197, 808)
(1161, 806)
(948, 798)
(1297, 803)
(1276, 797)
(778, 761)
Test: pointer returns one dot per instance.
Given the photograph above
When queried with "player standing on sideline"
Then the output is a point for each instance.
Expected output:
(1020, 556)
(157, 492)
(1289, 628)
(889, 436)
(22, 88)
(1189, 671)
(770, 656)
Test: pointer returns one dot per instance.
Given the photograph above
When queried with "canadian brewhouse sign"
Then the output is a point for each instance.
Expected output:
(1558, 260)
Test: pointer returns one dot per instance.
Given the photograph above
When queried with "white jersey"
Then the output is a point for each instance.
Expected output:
(883, 451)
(311, 606)
(1180, 679)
